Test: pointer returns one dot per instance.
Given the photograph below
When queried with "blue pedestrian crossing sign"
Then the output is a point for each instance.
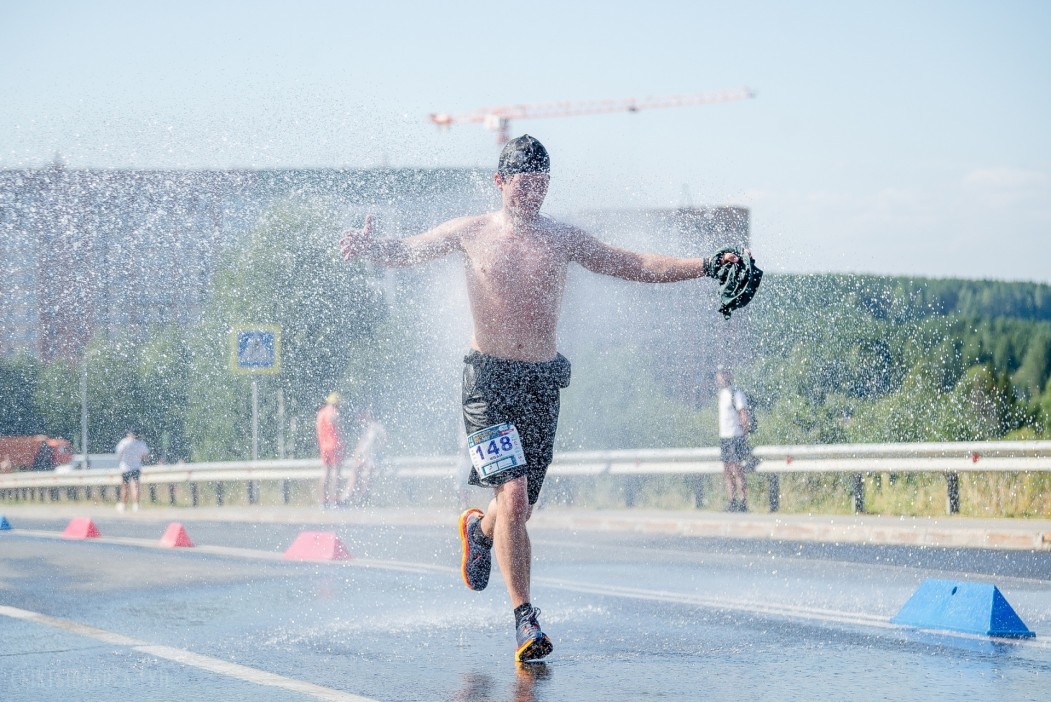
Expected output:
(255, 349)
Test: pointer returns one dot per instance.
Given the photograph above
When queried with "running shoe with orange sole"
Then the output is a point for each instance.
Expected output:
(533, 644)
(477, 556)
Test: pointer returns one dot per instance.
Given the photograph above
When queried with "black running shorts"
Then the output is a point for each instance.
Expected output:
(497, 390)
(734, 450)
(130, 475)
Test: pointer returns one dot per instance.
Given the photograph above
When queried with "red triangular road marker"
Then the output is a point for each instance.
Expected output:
(175, 536)
(317, 546)
(81, 528)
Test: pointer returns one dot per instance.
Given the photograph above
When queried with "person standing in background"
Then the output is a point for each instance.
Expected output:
(734, 423)
(330, 442)
(130, 453)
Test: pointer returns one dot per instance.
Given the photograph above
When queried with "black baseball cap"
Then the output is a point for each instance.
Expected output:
(523, 154)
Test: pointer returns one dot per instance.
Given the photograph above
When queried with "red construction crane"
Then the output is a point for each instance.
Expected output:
(498, 119)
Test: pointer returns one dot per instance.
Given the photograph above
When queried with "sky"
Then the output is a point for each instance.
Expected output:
(899, 137)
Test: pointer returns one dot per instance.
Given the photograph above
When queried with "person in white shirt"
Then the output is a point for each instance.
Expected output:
(130, 453)
(734, 422)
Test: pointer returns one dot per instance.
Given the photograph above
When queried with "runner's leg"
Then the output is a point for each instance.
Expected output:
(506, 525)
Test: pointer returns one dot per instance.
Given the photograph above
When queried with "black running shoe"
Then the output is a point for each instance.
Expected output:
(477, 556)
(533, 644)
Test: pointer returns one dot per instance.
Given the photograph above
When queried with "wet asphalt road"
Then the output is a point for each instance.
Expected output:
(633, 617)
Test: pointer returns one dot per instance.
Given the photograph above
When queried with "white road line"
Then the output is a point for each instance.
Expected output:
(745, 606)
(252, 675)
(109, 637)
(620, 549)
(187, 658)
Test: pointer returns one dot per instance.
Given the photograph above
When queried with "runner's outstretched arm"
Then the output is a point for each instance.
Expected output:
(600, 257)
(410, 251)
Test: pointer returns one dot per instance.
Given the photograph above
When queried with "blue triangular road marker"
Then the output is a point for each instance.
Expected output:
(973, 608)
(4, 524)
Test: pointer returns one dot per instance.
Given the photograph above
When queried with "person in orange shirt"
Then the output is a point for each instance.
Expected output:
(330, 441)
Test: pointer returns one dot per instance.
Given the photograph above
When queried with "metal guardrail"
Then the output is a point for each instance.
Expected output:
(855, 459)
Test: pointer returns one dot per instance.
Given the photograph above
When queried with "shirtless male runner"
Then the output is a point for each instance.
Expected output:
(515, 260)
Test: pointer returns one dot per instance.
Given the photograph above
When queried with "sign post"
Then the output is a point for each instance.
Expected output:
(255, 350)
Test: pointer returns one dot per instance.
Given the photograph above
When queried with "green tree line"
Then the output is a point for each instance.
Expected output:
(868, 359)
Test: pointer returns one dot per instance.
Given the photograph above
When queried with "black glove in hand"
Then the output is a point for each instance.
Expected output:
(738, 282)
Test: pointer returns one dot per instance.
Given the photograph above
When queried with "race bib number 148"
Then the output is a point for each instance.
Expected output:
(495, 449)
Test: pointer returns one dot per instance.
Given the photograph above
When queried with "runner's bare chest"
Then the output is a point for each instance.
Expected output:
(526, 263)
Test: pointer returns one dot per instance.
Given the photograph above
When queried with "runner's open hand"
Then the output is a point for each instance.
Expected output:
(355, 242)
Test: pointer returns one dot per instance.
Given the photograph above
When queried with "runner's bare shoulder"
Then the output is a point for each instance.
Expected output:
(471, 226)
(571, 239)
